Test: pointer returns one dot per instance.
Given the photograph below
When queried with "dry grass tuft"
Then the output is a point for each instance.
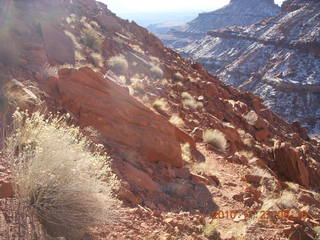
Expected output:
(92, 39)
(59, 174)
(97, 59)
(177, 121)
(118, 64)
(186, 152)
(210, 231)
(215, 138)
(189, 102)
(156, 71)
(161, 105)
(20, 94)
(178, 77)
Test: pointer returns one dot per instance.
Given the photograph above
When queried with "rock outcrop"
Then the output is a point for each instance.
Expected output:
(237, 12)
(276, 59)
(125, 124)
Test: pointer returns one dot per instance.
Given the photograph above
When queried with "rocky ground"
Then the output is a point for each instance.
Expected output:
(260, 182)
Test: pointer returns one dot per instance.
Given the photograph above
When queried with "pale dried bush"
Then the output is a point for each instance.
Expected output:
(61, 175)
(186, 152)
(215, 138)
(251, 117)
(178, 76)
(20, 94)
(177, 121)
(156, 71)
(118, 64)
(189, 102)
(97, 59)
(92, 39)
(161, 105)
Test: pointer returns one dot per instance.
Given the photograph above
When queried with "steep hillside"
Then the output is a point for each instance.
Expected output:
(183, 144)
(277, 59)
(237, 12)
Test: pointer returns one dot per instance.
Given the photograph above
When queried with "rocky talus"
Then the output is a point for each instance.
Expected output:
(150, 114)
(276, 59)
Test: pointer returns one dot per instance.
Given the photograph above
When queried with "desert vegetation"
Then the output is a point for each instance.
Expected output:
(92, 39)
(215, 138)
(177, 121)
(161, 105)
(59, 174)
(178, 76)
(156, 71)
(189, 102)
(118, 64)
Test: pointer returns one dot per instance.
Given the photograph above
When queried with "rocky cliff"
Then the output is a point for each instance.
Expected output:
(183, 143)
(277, 59)
(237, 12)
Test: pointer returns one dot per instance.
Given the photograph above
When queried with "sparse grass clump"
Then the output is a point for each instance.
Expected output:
(19, 94)
(97, 59)
(59, 174)
(189, 102)
(161, 105)
(177, 121)
(178, 76)
(186, 152)
(92, 39)
(210, 231)
(215, 138)
(118, 64)
(156, 71)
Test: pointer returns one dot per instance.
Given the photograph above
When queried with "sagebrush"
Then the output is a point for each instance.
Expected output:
(60, 174)
(118, 64)
(215, 138)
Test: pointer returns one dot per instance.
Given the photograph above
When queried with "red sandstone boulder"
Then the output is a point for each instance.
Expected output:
(291, 164)
(126, 124)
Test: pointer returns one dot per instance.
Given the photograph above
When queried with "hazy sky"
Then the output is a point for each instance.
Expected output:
(129, 6)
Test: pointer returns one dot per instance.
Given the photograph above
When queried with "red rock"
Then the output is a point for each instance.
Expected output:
(252, 179)
(182, 173)
(200, 179)
(291, 164)
(262, 135)
(126, 195)
(58, 46)
(139, 177)
(308, 200)
(6, 190)
(125, 123)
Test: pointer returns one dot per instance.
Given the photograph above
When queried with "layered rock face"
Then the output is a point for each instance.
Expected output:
(237, 12)
(277, 59)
